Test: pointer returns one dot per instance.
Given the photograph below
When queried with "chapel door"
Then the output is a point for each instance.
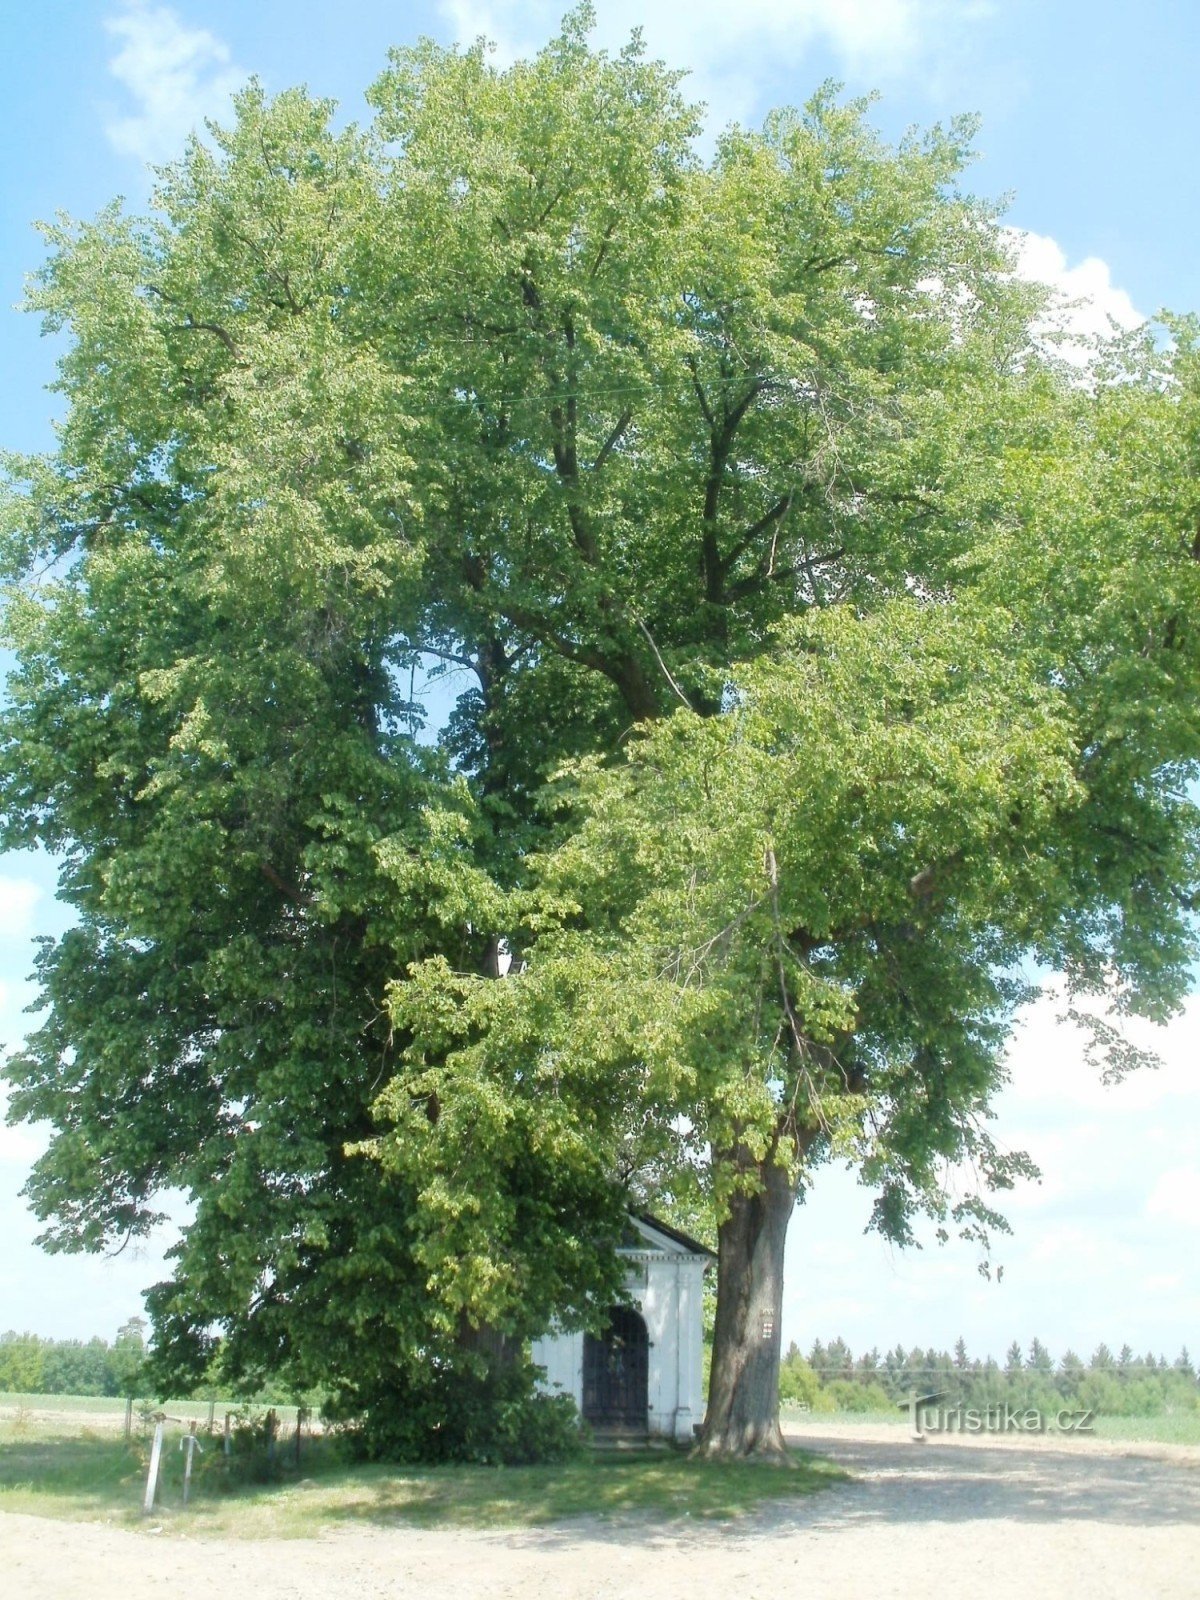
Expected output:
(616, 1372)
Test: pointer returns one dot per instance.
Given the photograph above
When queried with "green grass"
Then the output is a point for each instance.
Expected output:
(10, 1401)
(65, 1457)
(1173, 1427)
(663, 1485)
(81, 1478)
(48, 1471)
(840, 1419)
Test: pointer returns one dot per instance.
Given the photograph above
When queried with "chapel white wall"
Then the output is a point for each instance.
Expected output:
(667, 1289)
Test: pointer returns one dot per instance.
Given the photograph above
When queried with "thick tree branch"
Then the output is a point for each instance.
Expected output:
(776, 514)
(721, 438)
(288, 890)
(614, 439)
(193, 324)
(925, 884)
(666, 671)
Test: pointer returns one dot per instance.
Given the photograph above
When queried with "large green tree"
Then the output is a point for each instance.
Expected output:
(213, 583)
(799, 380)
(742, 481)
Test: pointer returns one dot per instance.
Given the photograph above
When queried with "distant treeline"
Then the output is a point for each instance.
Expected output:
(833, 1378)
(30, 1365)
(830, 1378)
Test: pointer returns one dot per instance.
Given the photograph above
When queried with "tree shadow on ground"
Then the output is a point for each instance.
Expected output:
(624, 1489)
(84, 1477)
(903, 1484)
(660, 1500)
(87, 1473)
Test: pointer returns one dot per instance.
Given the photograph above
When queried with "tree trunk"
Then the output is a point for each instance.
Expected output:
(743, 1390)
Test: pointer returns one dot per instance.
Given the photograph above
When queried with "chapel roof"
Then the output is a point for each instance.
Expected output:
(673, 1235)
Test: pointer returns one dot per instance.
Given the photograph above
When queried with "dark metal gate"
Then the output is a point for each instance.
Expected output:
(616, 1372)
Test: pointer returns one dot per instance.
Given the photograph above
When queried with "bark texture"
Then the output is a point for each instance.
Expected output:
(743, 1394)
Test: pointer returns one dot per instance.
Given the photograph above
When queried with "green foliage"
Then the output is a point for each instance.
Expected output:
(493, 1417)
(857, 1397)
(800, 1385)
(22, 1363)
(1143, 1387)
(833, 656)
(30, 1365)
(129, 1355)
(216, 585)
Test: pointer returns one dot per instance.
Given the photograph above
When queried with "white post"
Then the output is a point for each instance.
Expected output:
(191, 1444)
(152, 1475)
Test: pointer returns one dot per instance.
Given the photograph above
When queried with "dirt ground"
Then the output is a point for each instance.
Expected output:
(1069, 1520)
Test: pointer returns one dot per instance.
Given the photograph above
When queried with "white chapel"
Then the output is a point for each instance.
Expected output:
(642, 1374)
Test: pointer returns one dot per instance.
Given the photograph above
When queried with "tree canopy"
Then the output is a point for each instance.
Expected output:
(832, 658)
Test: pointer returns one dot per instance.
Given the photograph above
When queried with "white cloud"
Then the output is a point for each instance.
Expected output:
(1050, 1075)
(879, 32)
(174, 76)
(1101, 1249)
(1176, 1196)
(1082, 1248)
(469, 20)
(20, 1146)
(18, 896)
(1043, 259)
(730, 51)
(727, 47)
(1088, 303)
(1162, 1283)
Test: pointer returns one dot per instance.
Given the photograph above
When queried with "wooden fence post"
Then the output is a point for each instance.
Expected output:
(191, 1444)
(152, 1475)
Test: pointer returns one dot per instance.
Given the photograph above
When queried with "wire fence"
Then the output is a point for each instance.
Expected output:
(67, 1415)
(150, 1451)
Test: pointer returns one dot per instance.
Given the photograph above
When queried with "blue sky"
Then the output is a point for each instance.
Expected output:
(1091, 123)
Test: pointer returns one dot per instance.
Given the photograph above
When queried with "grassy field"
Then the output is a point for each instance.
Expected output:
(104, 1411)
(52, 1466)
(66, 1457)
(1178, 1427)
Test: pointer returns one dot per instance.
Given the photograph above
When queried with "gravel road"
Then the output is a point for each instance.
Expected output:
(1027, 1518)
